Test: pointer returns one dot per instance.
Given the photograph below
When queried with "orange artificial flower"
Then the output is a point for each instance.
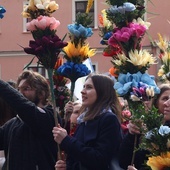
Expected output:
(113, 71)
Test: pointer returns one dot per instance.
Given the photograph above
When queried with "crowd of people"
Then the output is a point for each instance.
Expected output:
(90, 135)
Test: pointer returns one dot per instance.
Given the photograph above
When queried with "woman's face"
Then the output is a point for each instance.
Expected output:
(89, 94)
(161, 101)
(167, 110)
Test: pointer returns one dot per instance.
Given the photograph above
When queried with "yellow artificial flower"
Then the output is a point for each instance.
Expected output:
(141, 58)
(81, 52)
(37, 7)
(166, 58)
(52, 6)
(31, 5)
(162, 43)
(106, 23)
(26, 15)
(89, 5)
(159, 162)
(142, 22)
(161, 72)
(121, 58)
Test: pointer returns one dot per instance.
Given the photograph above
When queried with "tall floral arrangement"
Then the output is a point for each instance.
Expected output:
(164, 58)
(2, 11)
(46, 45)
(122, 30)
(78, 49)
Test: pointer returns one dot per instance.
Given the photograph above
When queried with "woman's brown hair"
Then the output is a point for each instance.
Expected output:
(106, 96)
(36, 81)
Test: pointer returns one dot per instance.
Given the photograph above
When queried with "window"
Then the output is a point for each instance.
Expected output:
(80, 6)
(25, 20)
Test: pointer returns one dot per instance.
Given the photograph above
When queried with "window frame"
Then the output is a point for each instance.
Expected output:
(40, 69)
(25, 20)
(95, 12)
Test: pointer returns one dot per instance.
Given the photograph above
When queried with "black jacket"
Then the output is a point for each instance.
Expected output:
(27, 139)
(126, 152)
(94, 144)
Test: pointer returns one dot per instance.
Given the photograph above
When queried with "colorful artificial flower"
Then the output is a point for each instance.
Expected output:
(36, 8)
(114, 72)
(78, 53)
(43, 23)
(122, 12)
(161, 162)
(2, 11)
(77, 50)
(136, 61)
(164, 57)
(73, 70)
(46, 49)
(46, 45)
(104, 22)
(126, 83)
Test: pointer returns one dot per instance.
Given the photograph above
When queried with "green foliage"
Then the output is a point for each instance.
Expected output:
(153, 118)
(84, 19)
(122, 19)
(141, 115)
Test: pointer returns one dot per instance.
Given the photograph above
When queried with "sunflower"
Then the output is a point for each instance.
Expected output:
(159, 162)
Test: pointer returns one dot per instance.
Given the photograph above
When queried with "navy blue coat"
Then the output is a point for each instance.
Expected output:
(27, 139)
(94, 144)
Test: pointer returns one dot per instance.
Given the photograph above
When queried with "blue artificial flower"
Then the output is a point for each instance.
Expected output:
(129, 6)
(73, 71)
(113, 9)
(164, 130)
(149, 134)
(126, 7)
(2, 11)
(80, 31)
(127, 81)
(106, 37)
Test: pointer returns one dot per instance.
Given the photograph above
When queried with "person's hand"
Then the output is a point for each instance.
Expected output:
(130, 167)
(68, 109)
(60, 165)
(59, 134)
(133, 129)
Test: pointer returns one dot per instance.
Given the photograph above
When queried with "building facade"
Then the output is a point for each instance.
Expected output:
(14, 36)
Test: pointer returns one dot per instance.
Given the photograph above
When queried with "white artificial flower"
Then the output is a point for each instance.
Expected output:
(164, 130)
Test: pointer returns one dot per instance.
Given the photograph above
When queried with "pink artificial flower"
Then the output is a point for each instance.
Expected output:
(43, 22)
(122, 35)
(138, 29)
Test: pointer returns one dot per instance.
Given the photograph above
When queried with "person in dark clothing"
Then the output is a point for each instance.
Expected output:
(27, 139)
(127, 145)
(98, 135)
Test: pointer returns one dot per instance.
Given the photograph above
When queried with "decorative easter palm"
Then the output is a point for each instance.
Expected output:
(122, 30)
(77, 50)
(46, 45)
